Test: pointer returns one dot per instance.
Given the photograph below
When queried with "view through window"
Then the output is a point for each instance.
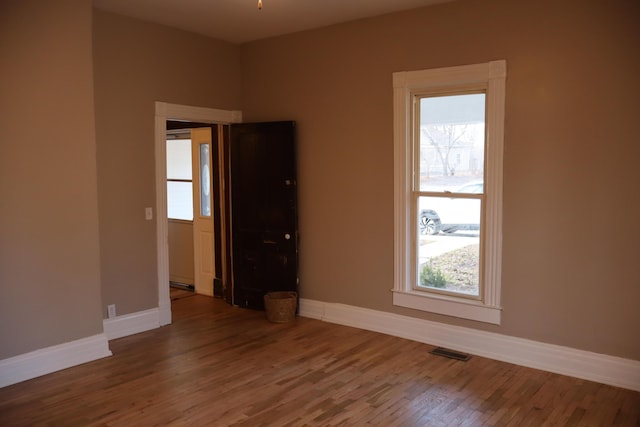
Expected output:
(450, 191)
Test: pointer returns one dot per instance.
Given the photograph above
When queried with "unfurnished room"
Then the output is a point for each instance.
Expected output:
(319, 212)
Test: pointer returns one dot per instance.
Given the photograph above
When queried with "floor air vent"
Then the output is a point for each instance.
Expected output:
(440, 351)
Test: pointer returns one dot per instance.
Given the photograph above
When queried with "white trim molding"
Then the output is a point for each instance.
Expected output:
(197, 114)
(129, 324)
(163, 112)
(51, 359)
(602, 368)
(443, 304)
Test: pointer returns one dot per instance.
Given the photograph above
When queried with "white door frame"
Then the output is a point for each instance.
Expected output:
(164, 112)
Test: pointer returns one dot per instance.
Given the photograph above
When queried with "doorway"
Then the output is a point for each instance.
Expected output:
(163, 113)
(194, 203)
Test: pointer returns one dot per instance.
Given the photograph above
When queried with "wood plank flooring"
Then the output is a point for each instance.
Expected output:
(219, 366)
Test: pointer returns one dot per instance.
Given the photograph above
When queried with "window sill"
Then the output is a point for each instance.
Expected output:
(180, 221)
(447, 305)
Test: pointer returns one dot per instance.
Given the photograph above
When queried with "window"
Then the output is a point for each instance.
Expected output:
(448, 139)
(179, 179)
(205, 179)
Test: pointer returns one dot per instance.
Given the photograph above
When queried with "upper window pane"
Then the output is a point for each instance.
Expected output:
(179, 159)
(451, 135)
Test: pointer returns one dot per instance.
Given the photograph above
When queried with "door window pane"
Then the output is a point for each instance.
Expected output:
(205, 180)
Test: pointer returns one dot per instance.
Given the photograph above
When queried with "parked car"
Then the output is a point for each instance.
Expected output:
(450, 214)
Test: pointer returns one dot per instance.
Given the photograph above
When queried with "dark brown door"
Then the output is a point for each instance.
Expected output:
(263, 211)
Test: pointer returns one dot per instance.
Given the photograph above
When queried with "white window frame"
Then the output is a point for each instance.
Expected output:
(407, 85)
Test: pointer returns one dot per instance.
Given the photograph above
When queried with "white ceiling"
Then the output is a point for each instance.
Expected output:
(240, 21)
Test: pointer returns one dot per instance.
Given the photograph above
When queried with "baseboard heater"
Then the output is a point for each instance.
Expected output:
(451, 354)
(181, 285)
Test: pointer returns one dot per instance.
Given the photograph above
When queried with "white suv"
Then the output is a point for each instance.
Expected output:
(451, 214)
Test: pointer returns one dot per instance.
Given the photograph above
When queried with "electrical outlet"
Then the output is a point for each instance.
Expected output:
(148, 213)
(111, 311)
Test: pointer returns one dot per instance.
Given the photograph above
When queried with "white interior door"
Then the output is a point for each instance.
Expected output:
(203, 237)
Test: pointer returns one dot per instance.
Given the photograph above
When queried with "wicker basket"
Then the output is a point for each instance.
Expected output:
(280, 306)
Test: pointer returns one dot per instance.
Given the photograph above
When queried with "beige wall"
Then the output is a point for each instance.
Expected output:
(136, 64)
(571, 205)
(181, 252)
(49, 252)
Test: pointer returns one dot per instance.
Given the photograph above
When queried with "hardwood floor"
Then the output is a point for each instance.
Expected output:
(217, 366)
(179, 293)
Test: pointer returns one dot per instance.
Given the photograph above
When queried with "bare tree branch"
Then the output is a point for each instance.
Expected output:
(445, 141)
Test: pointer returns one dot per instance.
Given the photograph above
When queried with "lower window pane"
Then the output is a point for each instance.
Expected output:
(449, 244)
(180, 200)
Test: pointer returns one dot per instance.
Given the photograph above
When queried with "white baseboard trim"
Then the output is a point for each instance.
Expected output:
(568, 361)
(133, 323)
(50, 359)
